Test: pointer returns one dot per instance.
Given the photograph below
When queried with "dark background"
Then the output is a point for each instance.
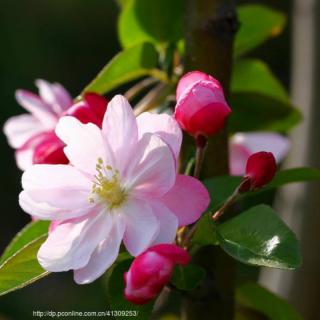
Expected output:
(67, 41)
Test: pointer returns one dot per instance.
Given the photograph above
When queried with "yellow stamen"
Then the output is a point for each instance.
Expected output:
(107, 187)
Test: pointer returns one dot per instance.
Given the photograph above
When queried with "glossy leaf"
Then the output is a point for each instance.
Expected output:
(206, 233)
(31, 231)
(116, 297)
(158, 21)
(255, 297)
(259, 237)
(253, 75)
(256, 112)
(127, 65)
(257, 24)
(188, 277)
(22, 268)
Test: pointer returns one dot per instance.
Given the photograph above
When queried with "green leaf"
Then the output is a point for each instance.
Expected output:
(115, 293)
(22, 268)
(253, 75)
(294, 175)
(259, 237)
(255, 297)
(122, 3)
(206, 233)
(257, 24)
(127, 65)
(188, 277)
(159, 22)
(255, 112)
(31, 231)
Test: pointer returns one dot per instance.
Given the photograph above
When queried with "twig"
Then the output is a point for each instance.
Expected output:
(141, 85)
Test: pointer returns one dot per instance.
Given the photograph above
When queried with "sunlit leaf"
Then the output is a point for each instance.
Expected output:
(127, 65)
(22, 268)
(253, 75)
(259, 237)
(158, 21)
(257, 24)
(31, 231)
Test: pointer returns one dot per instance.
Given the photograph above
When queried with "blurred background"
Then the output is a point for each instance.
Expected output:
(69, 41)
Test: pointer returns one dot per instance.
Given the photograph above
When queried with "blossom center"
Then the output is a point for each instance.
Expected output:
(106, 187)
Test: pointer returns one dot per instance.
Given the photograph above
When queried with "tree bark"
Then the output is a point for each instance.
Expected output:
(210, 26)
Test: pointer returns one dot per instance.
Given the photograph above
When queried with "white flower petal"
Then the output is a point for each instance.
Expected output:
(70, 245)
(24, 158)
(152, 169)
(142, 226)
(165, 126)
(20, 129)
(104, 255)
(37, 107)
(47, 176)
(119, 128)
(55, 192)
(54, 95)
(168, 223)
(263, 141)
(84, 144)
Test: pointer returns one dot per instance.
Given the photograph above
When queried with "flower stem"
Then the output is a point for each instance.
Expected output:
(137, 88)
(201, 142)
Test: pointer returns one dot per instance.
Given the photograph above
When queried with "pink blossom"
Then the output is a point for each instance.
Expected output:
(151, 271)
(32, 135)
(201, 106)
(242, 145)
(122, 184)
(260, 170)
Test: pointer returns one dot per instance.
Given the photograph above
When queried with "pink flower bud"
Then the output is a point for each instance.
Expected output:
(260, 169)
(91, 109)
(151, 270)
(201, 106)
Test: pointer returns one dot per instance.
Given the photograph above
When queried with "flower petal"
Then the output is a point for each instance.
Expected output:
(142, 227)
(55, 192)
(20, 129)
(188, 199)
(55, 95)
(37, 107)
(168, 223)
(119, 128)
(103, 256)
(24, 158)
(70, 245)
(263, 141)
(189, 79)
(151, 172)
(165, 126)
(238, 156)
(84, 144)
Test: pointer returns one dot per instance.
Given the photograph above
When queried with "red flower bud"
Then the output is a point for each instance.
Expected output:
(201, 106)
(151, 270)
(260, 169)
